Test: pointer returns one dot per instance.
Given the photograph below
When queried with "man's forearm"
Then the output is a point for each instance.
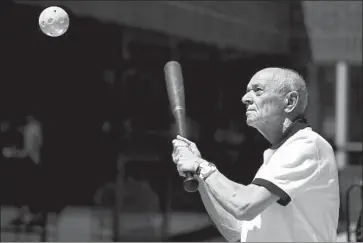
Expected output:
(228, 193)
(227, 225)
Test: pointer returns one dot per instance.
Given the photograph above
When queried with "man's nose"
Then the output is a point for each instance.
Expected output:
(247, 99)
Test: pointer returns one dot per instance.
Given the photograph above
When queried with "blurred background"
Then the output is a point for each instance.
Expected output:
(93, 105)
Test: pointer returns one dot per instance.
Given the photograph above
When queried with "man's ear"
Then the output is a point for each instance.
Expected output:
(291, 101)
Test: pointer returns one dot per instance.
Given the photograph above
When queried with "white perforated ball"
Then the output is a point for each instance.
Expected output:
(54, 21)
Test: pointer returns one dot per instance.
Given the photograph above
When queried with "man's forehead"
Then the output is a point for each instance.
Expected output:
(264, 77)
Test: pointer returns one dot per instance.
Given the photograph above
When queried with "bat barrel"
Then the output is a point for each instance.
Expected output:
(175, 85)
(181, 124)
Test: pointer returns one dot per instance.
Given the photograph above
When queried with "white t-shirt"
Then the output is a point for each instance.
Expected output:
(303, 173)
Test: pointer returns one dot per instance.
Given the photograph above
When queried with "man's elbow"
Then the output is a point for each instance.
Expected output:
(246, 213)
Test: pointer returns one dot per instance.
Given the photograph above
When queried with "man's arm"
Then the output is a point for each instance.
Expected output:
(227, 224)
(242, 202)
(291, 171)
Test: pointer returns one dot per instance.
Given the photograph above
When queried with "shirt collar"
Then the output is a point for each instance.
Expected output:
(298, 124)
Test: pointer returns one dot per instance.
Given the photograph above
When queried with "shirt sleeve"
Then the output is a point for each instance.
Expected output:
(290, 171)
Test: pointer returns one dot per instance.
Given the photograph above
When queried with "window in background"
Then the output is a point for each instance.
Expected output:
(355, 104)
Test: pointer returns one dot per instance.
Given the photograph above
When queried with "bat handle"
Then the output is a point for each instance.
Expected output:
(191, 183)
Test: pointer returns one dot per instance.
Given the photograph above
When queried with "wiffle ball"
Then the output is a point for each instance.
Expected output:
(54, 21)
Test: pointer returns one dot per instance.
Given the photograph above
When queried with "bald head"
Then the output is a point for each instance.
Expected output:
(285, 81)
(274, 98)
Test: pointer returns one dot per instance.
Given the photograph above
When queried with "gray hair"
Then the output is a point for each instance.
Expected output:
(290, 80)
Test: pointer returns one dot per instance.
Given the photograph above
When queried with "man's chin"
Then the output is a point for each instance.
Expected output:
(251, 122)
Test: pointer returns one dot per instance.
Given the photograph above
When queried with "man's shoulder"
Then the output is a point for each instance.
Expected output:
(299, 139)
(307, 135)
(316, 138)
(306, 140)
(309, 143)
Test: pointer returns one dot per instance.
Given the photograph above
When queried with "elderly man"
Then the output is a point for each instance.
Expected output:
(295, 194)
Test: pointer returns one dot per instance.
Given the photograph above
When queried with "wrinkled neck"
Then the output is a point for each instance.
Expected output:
(275, 132)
